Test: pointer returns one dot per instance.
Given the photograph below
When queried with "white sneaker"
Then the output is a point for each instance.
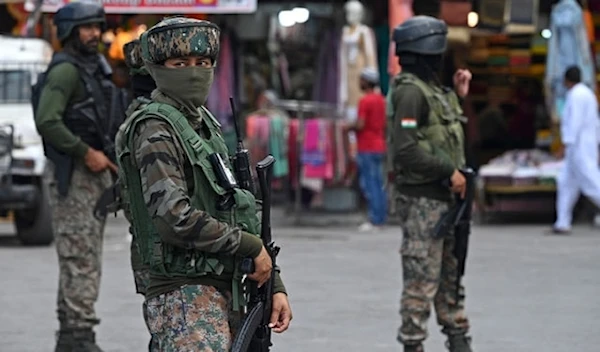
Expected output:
(365, 227)
(368, 227)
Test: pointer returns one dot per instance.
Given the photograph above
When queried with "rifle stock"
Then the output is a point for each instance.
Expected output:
(255, 334)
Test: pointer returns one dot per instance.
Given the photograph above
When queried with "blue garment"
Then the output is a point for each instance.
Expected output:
(370, 177)
(568, 46)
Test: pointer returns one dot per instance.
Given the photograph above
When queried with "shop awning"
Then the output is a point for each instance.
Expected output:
(159, 6)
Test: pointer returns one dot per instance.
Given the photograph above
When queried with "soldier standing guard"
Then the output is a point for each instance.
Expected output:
(174, 165)
(74, 100)
(426, 147)
(142, 86)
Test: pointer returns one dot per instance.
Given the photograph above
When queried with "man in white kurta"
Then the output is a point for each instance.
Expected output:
(579, 130)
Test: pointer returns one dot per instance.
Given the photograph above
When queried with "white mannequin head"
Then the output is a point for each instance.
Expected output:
(354, 12)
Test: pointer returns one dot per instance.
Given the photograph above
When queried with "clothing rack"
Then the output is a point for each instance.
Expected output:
(301, 107)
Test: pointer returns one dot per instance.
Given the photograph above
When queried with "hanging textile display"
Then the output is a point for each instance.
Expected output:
(224, 84)
(267, 133)
(568, 46)
(326, 88)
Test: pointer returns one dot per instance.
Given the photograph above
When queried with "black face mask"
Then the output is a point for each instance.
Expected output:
(426, 67)
(142, 85)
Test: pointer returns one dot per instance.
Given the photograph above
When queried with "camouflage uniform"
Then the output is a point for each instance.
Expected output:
(186, 312)
(79, 238)
(429, 268)
(67, 139)
(426, 146)
(141, 273)
(133, 59)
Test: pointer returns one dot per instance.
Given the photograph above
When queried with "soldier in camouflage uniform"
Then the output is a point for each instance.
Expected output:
(426, 142)
(192, 230)
(74, 146)
(142, 86)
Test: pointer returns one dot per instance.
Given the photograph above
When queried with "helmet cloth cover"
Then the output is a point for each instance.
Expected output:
(176, 37)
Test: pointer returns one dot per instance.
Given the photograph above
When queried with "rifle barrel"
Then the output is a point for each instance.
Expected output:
(235, 123)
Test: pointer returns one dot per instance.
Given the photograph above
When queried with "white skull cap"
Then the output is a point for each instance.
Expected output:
(370, 75)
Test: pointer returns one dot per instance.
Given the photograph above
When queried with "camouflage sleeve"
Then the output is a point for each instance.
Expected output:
(160, 158)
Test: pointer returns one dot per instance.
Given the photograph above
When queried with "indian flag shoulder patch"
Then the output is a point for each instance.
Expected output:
(409, 122)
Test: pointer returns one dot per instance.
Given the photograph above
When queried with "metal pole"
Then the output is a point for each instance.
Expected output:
(33, 18)
(300, 142)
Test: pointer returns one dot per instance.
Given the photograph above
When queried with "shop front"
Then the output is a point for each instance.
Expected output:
(514, 105)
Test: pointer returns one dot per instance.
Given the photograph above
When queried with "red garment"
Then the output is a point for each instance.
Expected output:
(371, 138)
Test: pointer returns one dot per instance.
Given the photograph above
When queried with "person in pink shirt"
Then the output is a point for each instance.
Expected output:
(370, 135)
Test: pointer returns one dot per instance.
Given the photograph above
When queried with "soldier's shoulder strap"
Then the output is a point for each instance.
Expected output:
(193, 144)
(410, 79)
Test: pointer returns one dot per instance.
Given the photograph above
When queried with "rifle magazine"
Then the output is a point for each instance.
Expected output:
(249, 325)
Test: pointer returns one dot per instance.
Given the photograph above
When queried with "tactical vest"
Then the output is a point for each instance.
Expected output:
(442, 136)
(162, 258)
(95, 119)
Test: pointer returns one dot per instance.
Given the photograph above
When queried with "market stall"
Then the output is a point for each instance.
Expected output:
(518, 181)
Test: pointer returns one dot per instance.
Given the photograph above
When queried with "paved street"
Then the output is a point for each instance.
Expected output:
(526, 292)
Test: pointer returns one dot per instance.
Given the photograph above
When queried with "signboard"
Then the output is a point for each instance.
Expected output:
(159, 6)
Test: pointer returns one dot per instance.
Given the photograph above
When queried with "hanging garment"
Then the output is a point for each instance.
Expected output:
(223, 85)
(278, 146)
(357, 52)
(382, 36)
(326, 87)
(568, 46)
(257, 137)
(293, 152)
(313, 152)
(315, 156)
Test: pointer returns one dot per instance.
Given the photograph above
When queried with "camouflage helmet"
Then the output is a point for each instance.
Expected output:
(180, 36)
(133, 54)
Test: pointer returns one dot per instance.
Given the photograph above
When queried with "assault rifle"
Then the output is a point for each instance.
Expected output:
(241, 159)
(459, 220)
(255, 334)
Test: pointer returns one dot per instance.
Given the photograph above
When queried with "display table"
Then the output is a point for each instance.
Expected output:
(518, 182)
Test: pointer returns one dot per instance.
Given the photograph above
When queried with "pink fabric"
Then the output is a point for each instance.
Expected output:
(317, 150)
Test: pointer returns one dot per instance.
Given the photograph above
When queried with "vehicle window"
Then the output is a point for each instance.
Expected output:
(15, 86)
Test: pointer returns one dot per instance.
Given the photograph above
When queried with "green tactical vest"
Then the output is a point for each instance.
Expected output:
(443, 135)
(163, 259)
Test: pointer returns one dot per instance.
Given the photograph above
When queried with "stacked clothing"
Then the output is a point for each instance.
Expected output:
(521, 167)
(477, 62)
(519, 51)
(539, 50)
(499, 53)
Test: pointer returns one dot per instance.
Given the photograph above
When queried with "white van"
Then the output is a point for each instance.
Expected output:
(24, 172)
